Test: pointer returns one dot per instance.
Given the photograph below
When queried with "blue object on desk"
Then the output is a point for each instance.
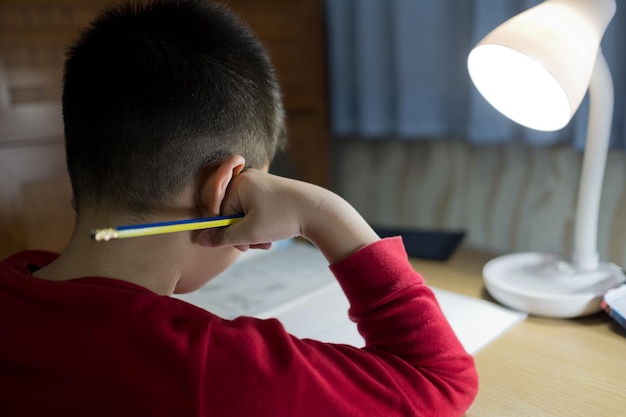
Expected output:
(614, 303)
(426, 244)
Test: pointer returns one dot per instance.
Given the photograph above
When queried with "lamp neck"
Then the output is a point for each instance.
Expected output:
(585, 256)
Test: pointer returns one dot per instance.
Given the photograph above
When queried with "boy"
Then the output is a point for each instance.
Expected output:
(172, 111)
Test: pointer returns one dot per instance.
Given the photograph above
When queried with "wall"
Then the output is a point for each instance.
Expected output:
(507, 197)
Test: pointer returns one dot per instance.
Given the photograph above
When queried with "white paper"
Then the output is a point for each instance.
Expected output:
(292, 282)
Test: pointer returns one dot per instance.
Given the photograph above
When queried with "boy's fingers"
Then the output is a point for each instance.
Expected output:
(222, 236)
(263, 246)
(211, 237)
(225, 236)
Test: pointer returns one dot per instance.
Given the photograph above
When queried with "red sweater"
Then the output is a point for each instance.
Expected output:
(103, 347)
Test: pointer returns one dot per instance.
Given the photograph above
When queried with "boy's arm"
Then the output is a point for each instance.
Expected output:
(412, 361)
(412, 365)
(278, 208)
(397, 313)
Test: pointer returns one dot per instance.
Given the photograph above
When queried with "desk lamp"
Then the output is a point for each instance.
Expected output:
(536, 69)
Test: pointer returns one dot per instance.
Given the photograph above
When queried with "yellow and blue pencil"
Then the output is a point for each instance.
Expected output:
(149, 229)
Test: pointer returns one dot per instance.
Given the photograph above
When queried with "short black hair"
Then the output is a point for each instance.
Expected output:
(154, 92)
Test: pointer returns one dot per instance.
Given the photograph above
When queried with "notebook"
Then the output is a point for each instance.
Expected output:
(292, 282)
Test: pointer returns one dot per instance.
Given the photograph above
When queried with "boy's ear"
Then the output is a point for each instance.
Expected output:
(213, 190)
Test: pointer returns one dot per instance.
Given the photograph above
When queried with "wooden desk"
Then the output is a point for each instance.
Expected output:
(541, 367)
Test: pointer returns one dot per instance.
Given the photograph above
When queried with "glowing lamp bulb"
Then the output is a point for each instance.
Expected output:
(519, 87)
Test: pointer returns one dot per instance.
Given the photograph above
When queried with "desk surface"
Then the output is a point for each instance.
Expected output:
(540, 367)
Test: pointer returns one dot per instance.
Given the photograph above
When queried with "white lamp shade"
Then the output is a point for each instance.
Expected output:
(535, 68)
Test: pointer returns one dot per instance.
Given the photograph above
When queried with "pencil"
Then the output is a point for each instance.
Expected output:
(149, 229)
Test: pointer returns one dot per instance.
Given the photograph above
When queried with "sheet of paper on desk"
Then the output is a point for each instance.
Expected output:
(292, 282)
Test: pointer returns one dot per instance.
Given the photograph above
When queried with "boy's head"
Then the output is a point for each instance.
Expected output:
(155, 93)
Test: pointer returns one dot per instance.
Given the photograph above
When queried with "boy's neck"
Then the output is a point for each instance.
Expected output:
(155, 262)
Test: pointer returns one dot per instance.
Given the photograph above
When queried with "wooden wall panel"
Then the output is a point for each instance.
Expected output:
(35, 197)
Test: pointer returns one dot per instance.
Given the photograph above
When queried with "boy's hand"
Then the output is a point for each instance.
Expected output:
(278, 208)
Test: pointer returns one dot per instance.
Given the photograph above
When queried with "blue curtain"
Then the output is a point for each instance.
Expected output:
(397, 68)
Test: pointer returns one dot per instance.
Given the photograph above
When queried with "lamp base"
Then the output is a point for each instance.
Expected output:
(549, 285)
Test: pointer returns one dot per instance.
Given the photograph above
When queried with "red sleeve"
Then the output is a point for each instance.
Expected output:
(412, 365)
(398, 314)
